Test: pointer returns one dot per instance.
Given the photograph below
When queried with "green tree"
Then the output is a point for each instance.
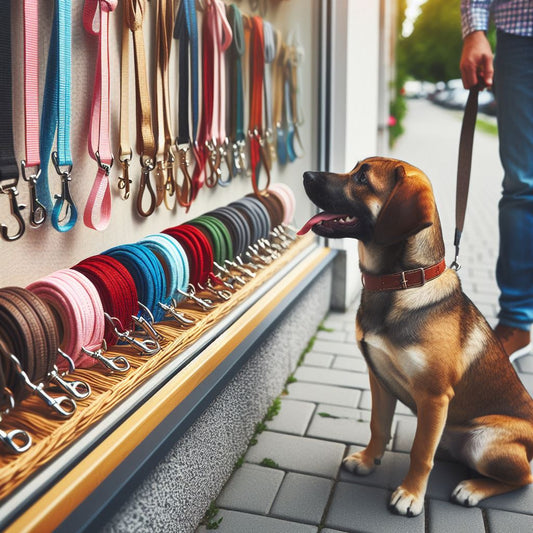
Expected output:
(433, 49)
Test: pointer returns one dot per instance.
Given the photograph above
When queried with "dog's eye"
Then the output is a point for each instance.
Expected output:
(360, 178)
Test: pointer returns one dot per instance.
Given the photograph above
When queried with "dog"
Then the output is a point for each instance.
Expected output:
(424, 341)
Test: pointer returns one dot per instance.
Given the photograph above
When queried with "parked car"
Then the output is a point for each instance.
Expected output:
(418, 89)
(454, 96)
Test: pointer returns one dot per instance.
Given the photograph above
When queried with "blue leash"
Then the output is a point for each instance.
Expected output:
(56, 116)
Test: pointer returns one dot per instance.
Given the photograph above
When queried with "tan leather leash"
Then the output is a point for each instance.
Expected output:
(146, 147)
(125, 152)
(164, 167)
(464, 166)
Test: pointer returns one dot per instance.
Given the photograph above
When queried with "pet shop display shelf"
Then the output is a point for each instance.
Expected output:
(87, 477)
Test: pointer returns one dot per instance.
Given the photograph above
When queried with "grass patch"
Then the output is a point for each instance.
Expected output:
(486, 126)
(270, 463)
(327, 415)
(209, 519)
(274, 409)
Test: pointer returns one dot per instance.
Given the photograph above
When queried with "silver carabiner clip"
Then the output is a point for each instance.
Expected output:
(16, 440)
(77, 389)
(204, 303)
(171, 311)
(56, 403)
(118, 364)
(16, 208)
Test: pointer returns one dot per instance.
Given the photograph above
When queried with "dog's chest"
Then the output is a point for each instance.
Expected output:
(396, 368)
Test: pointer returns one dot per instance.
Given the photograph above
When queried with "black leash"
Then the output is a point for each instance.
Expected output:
(464, 166)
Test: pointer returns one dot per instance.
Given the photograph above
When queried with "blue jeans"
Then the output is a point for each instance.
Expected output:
(513, 86)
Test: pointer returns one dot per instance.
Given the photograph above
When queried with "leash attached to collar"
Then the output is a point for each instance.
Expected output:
(464, 167)
(407, 279)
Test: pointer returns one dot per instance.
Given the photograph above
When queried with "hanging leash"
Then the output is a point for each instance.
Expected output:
(186, 32)
(464, 167)
(55, 116)
(164, 166)
(97, 212)
(146, 147)
(32, 159)
(9, 172)
(237, 138)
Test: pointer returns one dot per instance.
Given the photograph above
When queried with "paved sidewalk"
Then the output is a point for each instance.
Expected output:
(291, 480)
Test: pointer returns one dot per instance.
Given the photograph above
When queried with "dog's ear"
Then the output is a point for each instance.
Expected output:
(409, 209)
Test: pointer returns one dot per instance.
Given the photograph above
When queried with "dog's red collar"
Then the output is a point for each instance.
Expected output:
(403, 280)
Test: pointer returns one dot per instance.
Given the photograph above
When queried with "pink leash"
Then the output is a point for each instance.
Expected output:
(98, 209)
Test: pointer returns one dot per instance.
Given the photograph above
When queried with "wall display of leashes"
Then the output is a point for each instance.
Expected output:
(237, 102)
(76, 342)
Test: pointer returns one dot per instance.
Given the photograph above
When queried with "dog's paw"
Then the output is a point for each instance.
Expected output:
(359, 464)
(404, 503)
(466, 494)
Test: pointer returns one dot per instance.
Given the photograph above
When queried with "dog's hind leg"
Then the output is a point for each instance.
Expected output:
(383, 404)
(489, 450)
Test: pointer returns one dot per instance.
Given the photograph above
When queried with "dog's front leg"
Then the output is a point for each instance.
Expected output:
(408, 498)
(383, 404)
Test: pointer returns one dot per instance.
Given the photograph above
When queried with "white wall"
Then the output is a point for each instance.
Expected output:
(354, 113)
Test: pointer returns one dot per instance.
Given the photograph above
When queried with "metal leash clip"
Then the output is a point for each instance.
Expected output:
(64, 200)
(76, 389)
(118, 364)
(147, 324)
(204, 303)
(240, 268)
(147, 346)
(63, 405)
(221, 294)
(16, 440)
(172, 311)
(229, 279)
(16, 208)
(37, 209)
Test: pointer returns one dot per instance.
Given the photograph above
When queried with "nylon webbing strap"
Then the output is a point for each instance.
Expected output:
(9, 173)
(464, 166)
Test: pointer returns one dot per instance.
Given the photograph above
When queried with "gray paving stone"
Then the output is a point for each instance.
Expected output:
(328, 530)
(353, 364)
(366, 403)
(318, 359)
(302, 498)
(298, 454)
(251, 488)
(315, 392)
(359, 508)
(518, 501)
(336, 318)
(525, 364)
(337, 348)
(527, 380)
(328, 376)
(293, 417)
(237, 522)
(361, 415)
(444, 477)
(403, 438)
(446, 517)
(346, 430)
(388, 475)
(503, 521)
(336, 334)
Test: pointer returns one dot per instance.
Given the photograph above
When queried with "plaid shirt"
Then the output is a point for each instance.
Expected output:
(510, 16)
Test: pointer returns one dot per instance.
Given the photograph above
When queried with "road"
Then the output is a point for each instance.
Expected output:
(430, 142)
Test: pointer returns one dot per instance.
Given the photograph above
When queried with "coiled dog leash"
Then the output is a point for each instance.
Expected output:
(97, 212)
(464, 166)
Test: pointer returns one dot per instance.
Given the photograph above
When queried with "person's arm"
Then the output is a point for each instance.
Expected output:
(476, 59)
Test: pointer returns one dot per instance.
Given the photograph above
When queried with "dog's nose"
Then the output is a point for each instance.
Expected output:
(310, 176)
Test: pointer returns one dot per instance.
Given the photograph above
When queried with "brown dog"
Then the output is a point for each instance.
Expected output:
(424, 341)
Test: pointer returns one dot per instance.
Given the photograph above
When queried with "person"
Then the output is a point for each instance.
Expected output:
(512, 70)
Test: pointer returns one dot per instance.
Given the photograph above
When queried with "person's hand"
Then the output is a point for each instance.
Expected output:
(476, 60)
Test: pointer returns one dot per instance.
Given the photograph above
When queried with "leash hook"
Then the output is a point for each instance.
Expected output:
(16, 208)
(37, 209)
(64, 197)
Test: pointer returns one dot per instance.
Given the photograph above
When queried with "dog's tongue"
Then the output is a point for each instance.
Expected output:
(315, 220)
